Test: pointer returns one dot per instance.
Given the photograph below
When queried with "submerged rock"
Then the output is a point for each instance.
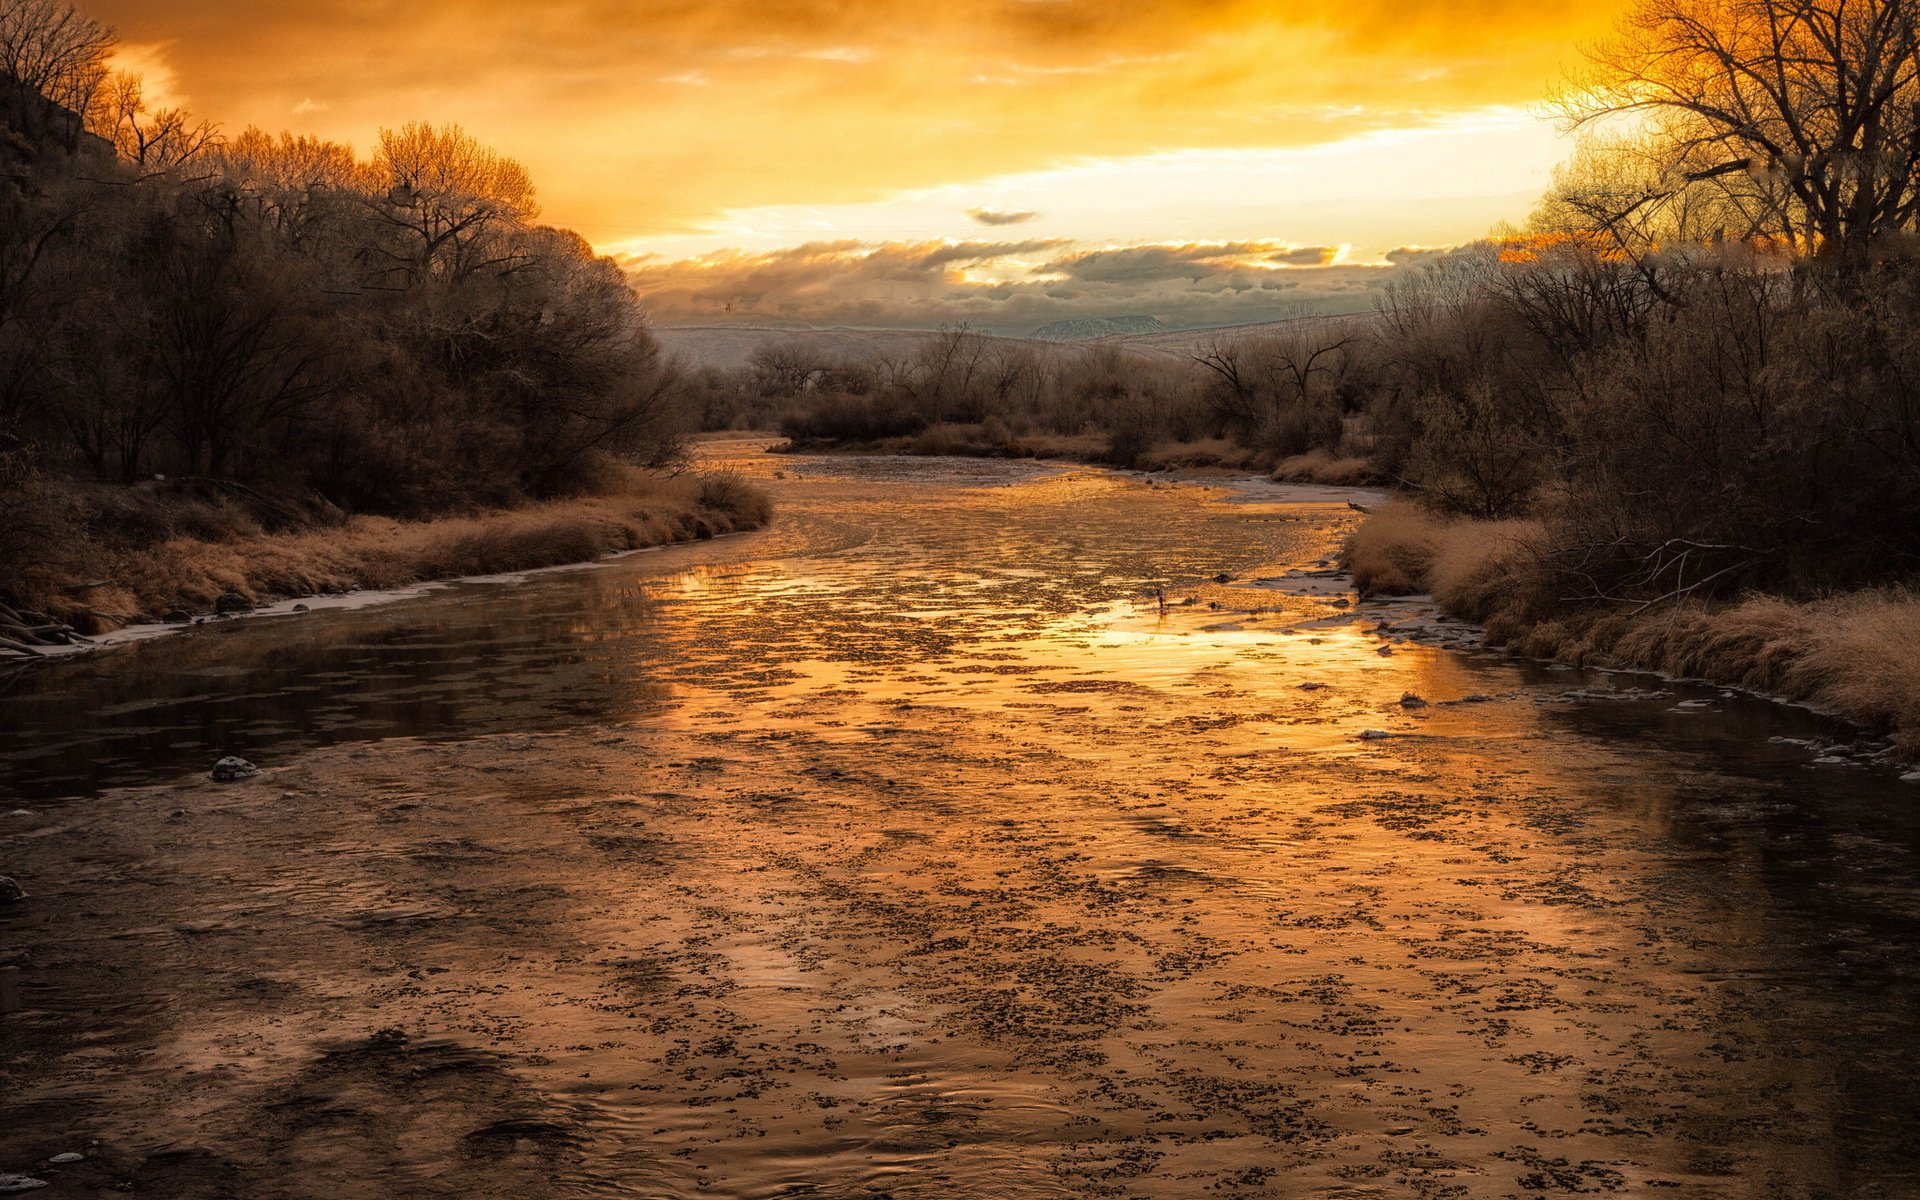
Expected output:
(11, 892)
(1374, 735)
(230, 768)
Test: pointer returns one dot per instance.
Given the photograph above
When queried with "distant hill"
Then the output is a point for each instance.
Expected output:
(1087, 328)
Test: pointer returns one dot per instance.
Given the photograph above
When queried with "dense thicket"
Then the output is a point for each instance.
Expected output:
(275, 321)
(1698, 369)
(1243, 400)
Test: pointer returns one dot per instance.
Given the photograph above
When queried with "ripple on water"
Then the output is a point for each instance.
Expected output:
(911, 849)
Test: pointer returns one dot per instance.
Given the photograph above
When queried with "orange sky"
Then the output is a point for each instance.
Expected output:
(684, 127)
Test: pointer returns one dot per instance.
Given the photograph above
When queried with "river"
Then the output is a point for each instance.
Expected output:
(909, 848)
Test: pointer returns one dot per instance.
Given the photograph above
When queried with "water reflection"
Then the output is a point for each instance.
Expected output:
(912, 850)
(471, 660)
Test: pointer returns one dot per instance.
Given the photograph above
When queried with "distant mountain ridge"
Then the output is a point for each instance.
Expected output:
(1083, 329)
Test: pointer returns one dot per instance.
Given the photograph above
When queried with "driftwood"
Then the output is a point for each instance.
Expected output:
(24, 637)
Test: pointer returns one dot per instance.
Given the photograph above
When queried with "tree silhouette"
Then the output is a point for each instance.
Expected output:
(1804, 113)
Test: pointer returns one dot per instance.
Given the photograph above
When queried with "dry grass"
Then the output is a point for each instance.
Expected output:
(1470, 567)
(1865, 663)
(1855, 655)
(1075, 447)
(1323, 467)
(1391, 551)
(191, 573)
(1206, 452)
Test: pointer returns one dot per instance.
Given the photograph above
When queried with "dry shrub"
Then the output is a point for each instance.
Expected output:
(1478, 567)
(1391, 551)
(1323, 467)
(1473, 568)
(1170, 455)
(1079, 447)
(732, 497)
(949, 438)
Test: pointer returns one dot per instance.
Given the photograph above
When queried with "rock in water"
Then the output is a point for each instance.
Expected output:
(20, 1183)
(11, 892)
(1409, 700)
(232, 602)
(71, 1156)
(230, 768)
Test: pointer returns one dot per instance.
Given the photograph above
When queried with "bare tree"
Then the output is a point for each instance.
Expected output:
(156, 140)
(944, 370)
(447, 195)
(1805, 114)
(1228, 358)
(52, 53)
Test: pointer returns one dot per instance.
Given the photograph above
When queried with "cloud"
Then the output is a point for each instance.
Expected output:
(988, 216)
(1307, 256)
(1009, 287)
(1193, 262)
(309, 105)
(153, 63)
(816, 102)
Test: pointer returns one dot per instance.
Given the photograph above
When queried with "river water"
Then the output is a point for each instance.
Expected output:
(909, 849)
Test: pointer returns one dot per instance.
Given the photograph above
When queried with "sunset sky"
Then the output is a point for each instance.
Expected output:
(883, 162)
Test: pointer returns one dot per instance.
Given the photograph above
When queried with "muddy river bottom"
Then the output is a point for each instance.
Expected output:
(909, 849)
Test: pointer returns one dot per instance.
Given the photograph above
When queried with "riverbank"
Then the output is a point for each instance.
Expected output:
(1855, 655)
(95, 588)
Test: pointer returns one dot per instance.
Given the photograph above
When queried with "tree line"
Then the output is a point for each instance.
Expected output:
(275, 317)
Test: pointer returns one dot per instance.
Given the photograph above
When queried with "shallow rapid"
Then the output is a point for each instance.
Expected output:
(979, 830)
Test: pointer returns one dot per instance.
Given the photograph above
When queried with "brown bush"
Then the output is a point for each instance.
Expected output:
(1322, 466)
(1473, 568)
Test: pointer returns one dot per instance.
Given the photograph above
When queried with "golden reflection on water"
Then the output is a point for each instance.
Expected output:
(912, 850)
